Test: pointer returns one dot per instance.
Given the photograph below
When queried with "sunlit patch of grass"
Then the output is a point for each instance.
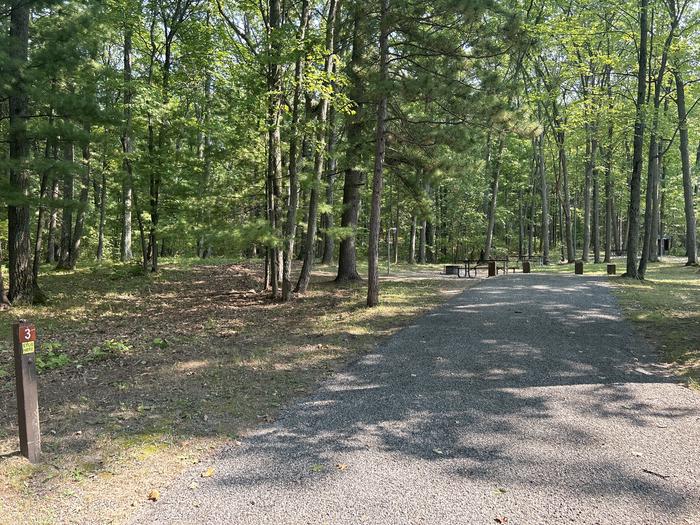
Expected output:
(666, 308)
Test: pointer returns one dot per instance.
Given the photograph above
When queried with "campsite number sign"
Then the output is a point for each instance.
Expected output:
(24, 335)
(27, 338)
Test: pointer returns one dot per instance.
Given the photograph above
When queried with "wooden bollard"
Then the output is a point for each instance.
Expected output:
(526, 266)
(612, 269)
(24, 338)
(578, 267)
(492, 268)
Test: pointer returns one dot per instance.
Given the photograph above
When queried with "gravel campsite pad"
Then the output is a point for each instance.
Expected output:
(525, 400)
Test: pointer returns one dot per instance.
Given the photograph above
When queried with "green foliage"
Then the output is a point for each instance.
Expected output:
(50, 358)
(463, 75)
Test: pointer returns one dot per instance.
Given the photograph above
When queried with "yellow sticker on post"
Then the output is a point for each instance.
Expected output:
(28, 347)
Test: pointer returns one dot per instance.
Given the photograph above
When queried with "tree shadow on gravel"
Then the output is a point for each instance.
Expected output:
(530, 375)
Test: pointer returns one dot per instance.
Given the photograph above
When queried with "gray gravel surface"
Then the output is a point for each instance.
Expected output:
(525, 399)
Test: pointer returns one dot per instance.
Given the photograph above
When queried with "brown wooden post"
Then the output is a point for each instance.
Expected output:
(492, 268)
(578, 267)
(24, 337)
(526, 266)
(612, 269)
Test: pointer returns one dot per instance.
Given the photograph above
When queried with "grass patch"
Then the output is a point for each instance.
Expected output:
(666, 308)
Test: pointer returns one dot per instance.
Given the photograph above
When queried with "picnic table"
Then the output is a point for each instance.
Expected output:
(501, 264)
(470, 265)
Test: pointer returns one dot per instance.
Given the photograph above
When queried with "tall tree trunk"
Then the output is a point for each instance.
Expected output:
(77, 236)
(689, 205)
(21, 286)
(53, 220)
(290, 227)
(354, 177)
(412, 241)
(637, 160)
(67, 213)
(380, 149)
(656, 205)
(495, 166)
(653, 167)
(142, 234)
(544, 194)
(397, 225)
(331, 167)
(531, 218)
(310, 255)
(596, 216)
(327, 217)
(125, 252)
(274, 161)
(38, 238)
(566, 196)
(430, 242)
(422, 246)
(591, 147)
(521, 225)
(103, 209)
(609, 211)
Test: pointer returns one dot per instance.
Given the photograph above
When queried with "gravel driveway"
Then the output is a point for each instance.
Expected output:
(525, 400)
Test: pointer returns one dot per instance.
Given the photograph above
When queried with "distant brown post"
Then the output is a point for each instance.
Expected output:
(492, 268)
(526, 266)
(578, 267)
(24, 337)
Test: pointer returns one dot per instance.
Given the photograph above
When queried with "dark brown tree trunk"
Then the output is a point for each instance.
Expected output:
(53, 220)
(21, 286)
(609, 217)
(320, 146)
(274, 143)
(521, 225)
(103, 210)
(40, 223)
(290, 227)
(649, 242)
(566, 196)
(77, 236)
(544, 195)
(327, 217)
(429, 242)
(331, 167)
(380, 149)
(125, 252)
(412, 241)
(637, 155)
(354, 177)
(689, 205)
(592, 149)
(609, 205)
(595, 233)
(67, 213)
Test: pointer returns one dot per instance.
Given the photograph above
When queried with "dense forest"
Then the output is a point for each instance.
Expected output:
(323, 131)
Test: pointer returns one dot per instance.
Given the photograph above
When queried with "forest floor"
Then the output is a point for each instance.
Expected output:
(665, 308)
(144, 376)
